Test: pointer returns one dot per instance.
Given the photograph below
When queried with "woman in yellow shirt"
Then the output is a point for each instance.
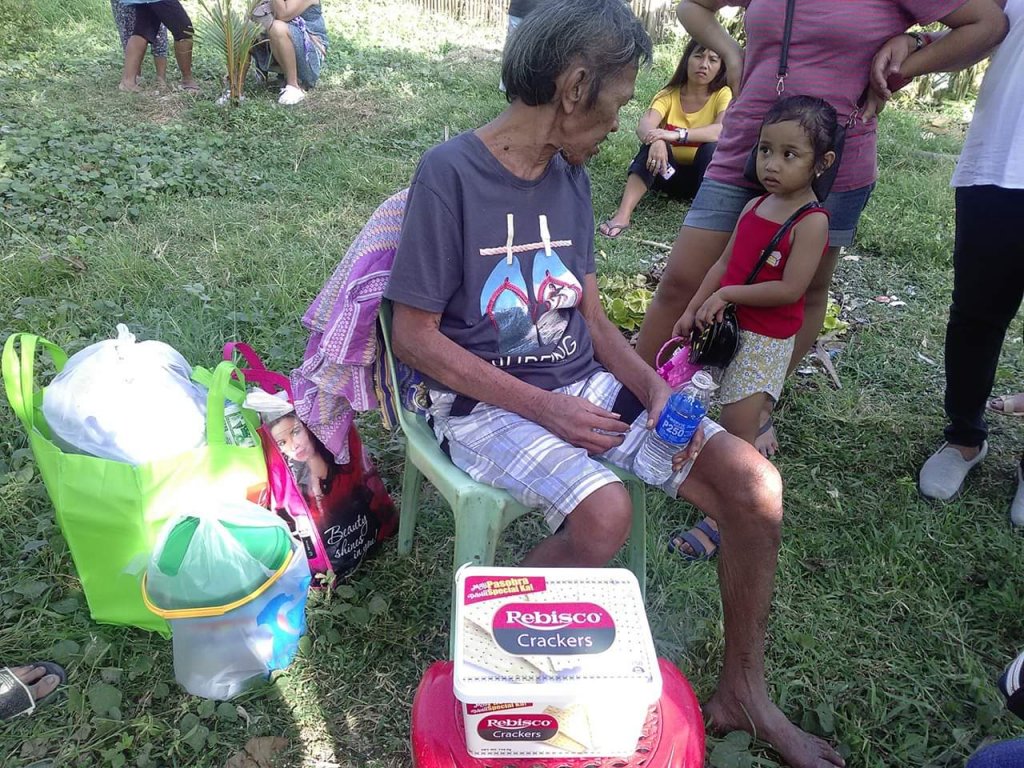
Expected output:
(678, 132)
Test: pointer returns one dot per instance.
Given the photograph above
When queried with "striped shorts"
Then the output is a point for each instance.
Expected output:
(538, 469)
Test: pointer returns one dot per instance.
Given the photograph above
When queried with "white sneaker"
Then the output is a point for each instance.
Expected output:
(1017, 507)
(291, 95)
(944, 472)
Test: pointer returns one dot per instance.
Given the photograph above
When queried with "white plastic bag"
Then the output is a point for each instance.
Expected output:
(233, 584)
(126, 401)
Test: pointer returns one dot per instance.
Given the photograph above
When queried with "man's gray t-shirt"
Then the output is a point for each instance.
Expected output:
(502, 259)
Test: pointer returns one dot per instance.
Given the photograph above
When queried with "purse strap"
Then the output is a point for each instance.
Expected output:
(787, 33)
(774, 242)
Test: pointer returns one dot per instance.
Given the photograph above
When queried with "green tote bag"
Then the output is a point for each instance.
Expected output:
(111, 512)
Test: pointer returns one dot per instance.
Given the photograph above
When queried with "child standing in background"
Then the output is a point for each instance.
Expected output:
(124, 18)
(149, 17)
(796, 145)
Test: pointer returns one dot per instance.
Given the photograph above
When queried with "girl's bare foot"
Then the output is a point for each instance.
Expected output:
(190, 85)
(129, 86)
(766, 441)
(161, 84)
(766, 722)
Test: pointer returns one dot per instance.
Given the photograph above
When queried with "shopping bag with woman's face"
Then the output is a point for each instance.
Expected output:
(338, 511)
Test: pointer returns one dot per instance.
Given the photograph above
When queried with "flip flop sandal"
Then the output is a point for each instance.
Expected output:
(700, 551)
(16, 697)
(1004, 400)
(618, 229)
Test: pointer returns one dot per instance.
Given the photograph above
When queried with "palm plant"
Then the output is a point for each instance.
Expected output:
(233, 35)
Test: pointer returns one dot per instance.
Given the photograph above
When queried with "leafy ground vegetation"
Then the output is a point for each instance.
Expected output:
(196, 224)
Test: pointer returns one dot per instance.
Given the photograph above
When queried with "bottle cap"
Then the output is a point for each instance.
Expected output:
(703, 380)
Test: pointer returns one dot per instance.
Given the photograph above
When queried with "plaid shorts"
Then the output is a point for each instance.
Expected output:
(538, 469)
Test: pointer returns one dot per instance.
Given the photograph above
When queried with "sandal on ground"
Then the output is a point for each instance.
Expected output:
(16, 696)
(700, 552)
(1007, 405)
(611, 231)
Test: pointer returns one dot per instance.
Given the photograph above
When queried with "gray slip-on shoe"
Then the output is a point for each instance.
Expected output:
(1017, 507)
(944, 472)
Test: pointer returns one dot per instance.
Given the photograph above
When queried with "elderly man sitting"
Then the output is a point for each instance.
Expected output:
(496, 304)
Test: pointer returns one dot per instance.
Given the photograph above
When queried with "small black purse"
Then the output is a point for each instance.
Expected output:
(717, 344)
(823, 183)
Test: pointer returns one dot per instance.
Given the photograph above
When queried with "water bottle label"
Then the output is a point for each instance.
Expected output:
(679, 419)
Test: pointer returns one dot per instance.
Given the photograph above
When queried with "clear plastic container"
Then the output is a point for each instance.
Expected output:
(233, 585)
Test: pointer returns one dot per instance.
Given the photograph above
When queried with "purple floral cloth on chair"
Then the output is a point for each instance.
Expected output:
(341, 371)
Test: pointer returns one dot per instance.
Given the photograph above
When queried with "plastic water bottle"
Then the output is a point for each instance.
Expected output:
(676, 425)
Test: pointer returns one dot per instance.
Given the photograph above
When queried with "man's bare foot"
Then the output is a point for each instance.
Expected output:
(190, 85)
(39, 683)
(766, 442)
(766, 722)
(1008, 405)
(161, 84)
(129, 86)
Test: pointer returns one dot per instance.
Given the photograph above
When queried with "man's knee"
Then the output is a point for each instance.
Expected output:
(759, 494)
(600, 525)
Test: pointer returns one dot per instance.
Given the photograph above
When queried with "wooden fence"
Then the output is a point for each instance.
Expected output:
(658, 16)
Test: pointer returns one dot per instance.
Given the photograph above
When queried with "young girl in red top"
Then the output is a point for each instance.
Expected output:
(795, 146)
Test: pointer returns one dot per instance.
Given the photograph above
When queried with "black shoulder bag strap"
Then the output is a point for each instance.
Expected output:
(774, 242)
(787, 33)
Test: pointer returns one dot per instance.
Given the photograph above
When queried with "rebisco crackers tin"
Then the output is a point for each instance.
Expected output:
(552, 662)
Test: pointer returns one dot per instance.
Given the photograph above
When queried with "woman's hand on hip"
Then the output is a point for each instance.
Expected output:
(887, 61)
(734, 62)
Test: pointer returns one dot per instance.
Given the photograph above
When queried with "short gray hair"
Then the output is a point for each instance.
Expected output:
(603, 36)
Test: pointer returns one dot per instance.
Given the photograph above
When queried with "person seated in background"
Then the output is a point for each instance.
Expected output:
(149, 16)
(496, 304)
(295, 44)
(678, 132)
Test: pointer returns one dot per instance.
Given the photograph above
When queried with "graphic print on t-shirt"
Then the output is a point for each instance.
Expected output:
(528, 318)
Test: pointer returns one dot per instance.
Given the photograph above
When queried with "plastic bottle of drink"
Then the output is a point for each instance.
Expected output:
(676, 425)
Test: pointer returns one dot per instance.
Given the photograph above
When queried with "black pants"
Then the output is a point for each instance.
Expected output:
(171, 13)
(687, 178)
(988, 284)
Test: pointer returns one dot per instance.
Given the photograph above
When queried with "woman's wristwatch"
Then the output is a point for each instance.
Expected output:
(920, 40)
(682, 134)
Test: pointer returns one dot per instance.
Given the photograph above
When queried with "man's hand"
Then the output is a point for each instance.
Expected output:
(690, 450)
(655, 398)
(713, 310)
(577, 420)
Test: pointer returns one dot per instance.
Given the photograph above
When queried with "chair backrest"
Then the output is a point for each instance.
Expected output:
(407, 420)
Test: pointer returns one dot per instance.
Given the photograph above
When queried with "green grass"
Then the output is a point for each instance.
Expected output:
(892, 615)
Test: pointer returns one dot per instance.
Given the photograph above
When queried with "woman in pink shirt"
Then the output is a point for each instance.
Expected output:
(831, 49)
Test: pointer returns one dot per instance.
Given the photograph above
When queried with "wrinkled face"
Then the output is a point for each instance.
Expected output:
(785, 158)
(703, 66)
(292, 438)
(585, 128)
